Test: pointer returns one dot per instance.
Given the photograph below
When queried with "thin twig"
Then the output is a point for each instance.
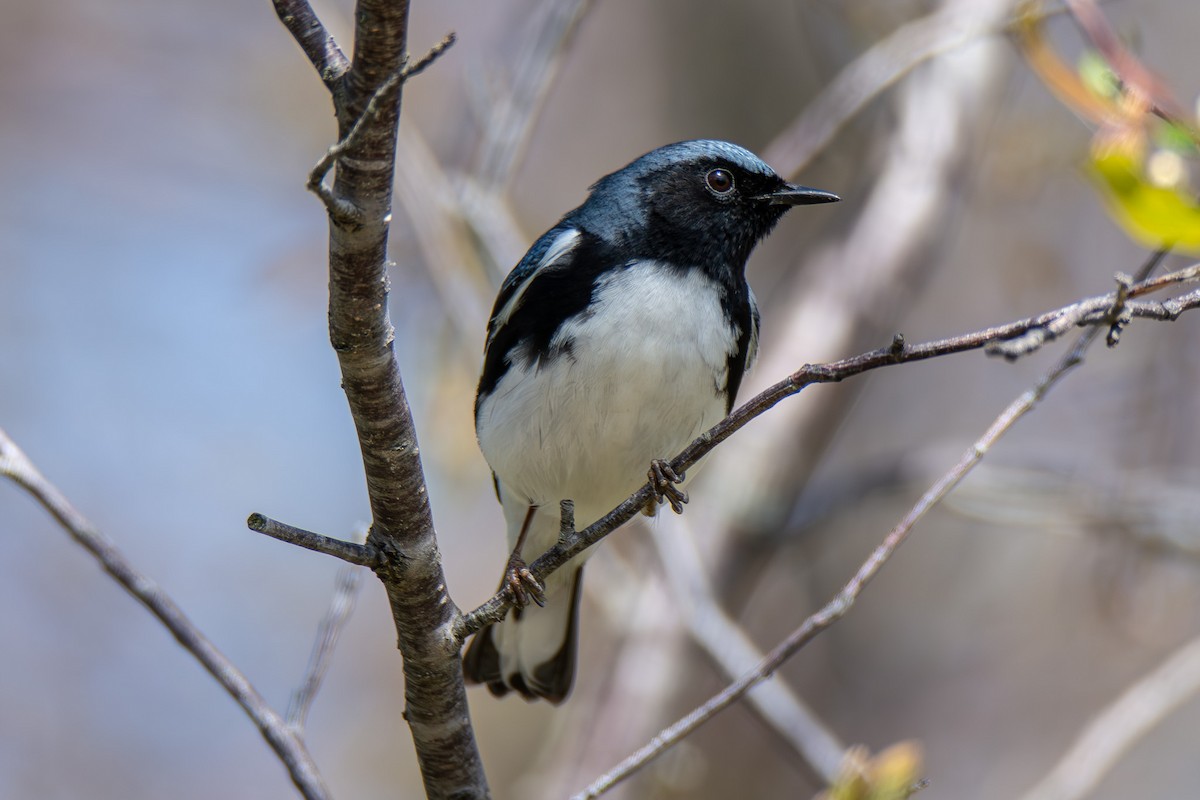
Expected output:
(316, 42)
(859, 287)
(349, 580)
(507, 133)
(362, 555)
(728, 644)
(1091, 311)
(836, 608)
(866, 77)
(1127, 66)
(449, 252)
(283, 740)
(1120, 725)
(339, 208)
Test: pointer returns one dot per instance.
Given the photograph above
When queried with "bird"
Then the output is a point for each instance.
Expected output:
(621, 335)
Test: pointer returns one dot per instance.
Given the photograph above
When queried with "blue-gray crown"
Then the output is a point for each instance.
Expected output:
(695, 150)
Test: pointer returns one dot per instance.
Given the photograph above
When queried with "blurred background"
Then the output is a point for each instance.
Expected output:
(164, 361)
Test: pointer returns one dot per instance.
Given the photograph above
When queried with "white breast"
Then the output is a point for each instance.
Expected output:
(643, 375)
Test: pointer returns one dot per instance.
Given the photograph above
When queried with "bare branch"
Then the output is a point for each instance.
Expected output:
(340, 209)
(341, 606)
(507, 135)
(836, 608)
(283, 740)
(358, 554)
(734, 652)
(367, 107)
(850, 293)
(1090, 311)
(1120, 725)
(868, 76)
(450, 254)
(316, 42)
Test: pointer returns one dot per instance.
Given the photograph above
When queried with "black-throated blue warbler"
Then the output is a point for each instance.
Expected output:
(622, 335)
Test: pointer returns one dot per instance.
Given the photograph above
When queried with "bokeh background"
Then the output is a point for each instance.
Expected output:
(163, 359)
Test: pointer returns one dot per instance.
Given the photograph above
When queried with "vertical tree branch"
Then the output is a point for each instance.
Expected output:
(362, 335)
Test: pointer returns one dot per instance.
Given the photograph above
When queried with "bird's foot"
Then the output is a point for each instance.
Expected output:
(663, 479)
(521, 583)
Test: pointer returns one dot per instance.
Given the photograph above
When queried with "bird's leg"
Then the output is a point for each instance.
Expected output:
(518, 579)
(663, 480)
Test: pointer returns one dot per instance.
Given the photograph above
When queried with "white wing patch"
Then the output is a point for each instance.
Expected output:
(564, 244)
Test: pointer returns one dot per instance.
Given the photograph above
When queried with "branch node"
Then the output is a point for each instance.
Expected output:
(898, 344)
(1119, 315)
(340, 210)
(316, 42)
(1012, 349)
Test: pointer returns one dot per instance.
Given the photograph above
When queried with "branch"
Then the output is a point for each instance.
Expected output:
(865, 78)
(506, 135)
(1131, 71)
(351, 552)
(727, 644)
(849, 294)
(869, 75)
(340, 607)
(342, 211)
(14, 464)
(316, 42)
(836, 608)
(1091, 311)
(1119, 726)
(359, 204)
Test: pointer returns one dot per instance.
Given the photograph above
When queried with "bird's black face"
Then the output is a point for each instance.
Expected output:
(711, 212)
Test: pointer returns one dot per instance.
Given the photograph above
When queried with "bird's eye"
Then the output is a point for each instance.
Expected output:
(720, 181)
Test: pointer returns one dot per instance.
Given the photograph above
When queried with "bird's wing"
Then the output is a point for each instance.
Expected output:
(547, 251)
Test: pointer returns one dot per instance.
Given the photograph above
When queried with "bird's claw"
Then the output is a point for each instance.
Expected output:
(664, 481)
(521, 584)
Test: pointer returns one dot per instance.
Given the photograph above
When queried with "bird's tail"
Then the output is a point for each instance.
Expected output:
(532, 651)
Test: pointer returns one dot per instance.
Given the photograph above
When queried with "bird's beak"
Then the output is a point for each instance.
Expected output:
(792, 195)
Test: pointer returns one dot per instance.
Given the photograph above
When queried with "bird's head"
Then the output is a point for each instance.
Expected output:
(699, 203)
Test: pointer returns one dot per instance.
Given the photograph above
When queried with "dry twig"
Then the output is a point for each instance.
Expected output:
(345, 590)
(1120, 725)
(1087, 312)
(734, 652)
(836, 608)
(285, 741)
